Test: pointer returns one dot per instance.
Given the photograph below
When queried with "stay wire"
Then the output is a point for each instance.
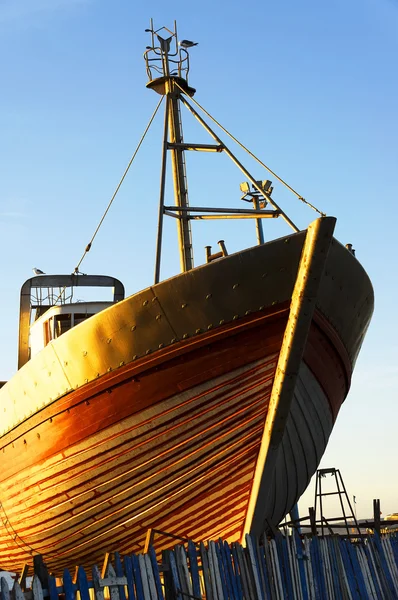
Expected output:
(88, 247)
(254, 156)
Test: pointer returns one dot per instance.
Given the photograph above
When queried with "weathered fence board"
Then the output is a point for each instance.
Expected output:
(285, 567)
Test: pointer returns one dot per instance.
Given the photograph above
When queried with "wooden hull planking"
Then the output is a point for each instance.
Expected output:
(176, 433)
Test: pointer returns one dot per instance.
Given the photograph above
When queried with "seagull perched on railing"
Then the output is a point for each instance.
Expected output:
(187, 44)
(37, 271)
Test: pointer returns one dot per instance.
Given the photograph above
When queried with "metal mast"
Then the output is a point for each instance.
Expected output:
(167, 65)
(163, 52)
(179, 178)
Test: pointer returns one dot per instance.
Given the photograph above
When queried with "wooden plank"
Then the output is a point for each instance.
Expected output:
(236, 569)
(270, 575)
(276, 570)
(194, 569)
(361, 588)
(385, 577)
(175, 577)
(167, 576)
(69, 587)
(309, 570)
(222, 557)
(151, 579)
(144, 577)
(385, 542)
(4, 589)
(18, 593)
(214, 572)
(284, 560)
(342, 577)
(394, 544)
(128, 569)
(327, 567)
(366, 574)
(98, 591)
(120, 573)
(23, 576)
(336, 589)
(347, 572)
(82, 584)
(112, 582)
(221, 569)
(229, 565)
(183, 570)
(254, 566)
(298, 549)
(156, 573)
(137, 578)
(105, 565)
(243, 571)
(37, 590)
(293, 566)
(206, 572)
(373, 567)
(261, 568)
(319, 572)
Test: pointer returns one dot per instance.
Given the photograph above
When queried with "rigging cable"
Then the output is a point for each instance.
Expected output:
(254, 156)
(88, 247)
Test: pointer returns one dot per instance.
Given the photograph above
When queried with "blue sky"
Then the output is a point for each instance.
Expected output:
(310, 87)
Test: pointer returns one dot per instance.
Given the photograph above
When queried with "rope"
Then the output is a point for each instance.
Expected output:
(253, 155)
(88, 247)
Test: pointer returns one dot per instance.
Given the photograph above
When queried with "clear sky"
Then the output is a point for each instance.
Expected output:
(311, 87)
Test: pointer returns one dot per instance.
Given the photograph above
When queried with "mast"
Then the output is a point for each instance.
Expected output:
(167, 66)
(180, 178)
(165, 52)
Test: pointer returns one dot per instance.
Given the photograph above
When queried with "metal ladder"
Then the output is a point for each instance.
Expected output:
(347, 513)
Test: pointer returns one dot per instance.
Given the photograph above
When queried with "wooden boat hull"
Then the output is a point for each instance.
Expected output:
(166, 404)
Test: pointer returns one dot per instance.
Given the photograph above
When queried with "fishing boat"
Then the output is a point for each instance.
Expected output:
(199, 407)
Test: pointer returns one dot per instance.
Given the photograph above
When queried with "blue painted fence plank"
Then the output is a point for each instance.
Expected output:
(300, 558)
(238, 577)
(156, 574)
(69, 588)
(139, 588)
(120, 573)
(52, 588)
(82, 584)
(4, 589)
(194, 568)
(128, 569)
(175, 577)
(233, 577)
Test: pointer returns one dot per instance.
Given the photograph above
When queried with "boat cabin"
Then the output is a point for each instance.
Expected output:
(56, 320)
(48, 310)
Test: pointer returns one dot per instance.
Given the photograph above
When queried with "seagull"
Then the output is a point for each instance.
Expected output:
(37, 271)
(187, 44)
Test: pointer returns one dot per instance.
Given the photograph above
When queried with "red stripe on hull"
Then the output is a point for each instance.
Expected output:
(159, 440)
(190, 446)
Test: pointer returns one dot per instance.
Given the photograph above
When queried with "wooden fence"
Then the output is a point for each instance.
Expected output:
(285, 567)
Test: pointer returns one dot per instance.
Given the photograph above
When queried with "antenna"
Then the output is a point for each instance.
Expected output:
(166, 57)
